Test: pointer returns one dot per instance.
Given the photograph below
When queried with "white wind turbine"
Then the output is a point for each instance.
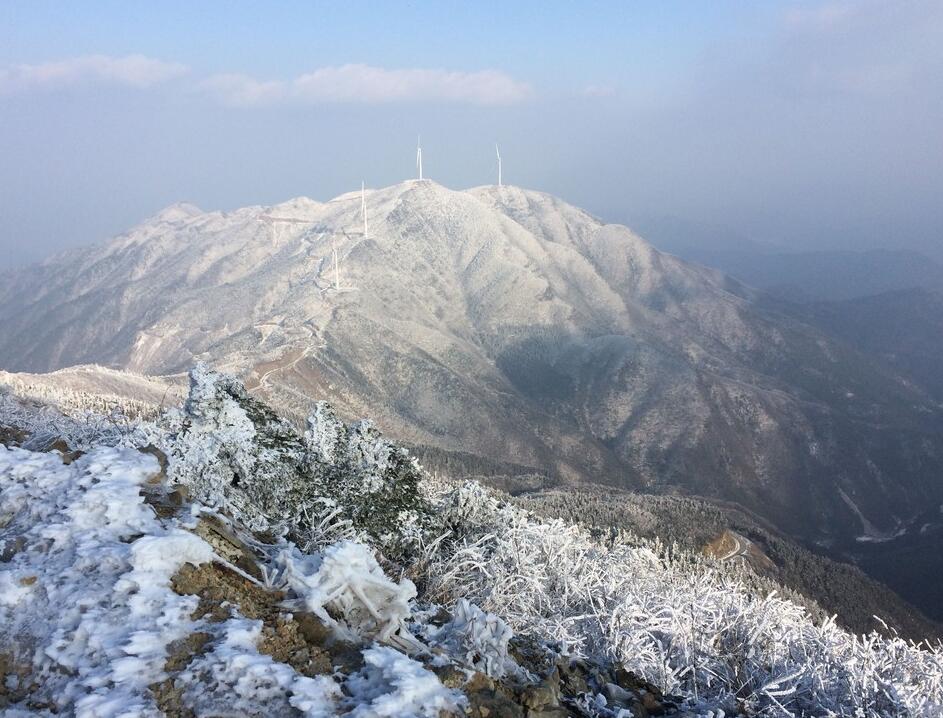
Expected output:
(498, 153)
(419, 156)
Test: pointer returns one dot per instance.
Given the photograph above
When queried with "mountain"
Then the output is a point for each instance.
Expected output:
(902, 328)
(509, 325)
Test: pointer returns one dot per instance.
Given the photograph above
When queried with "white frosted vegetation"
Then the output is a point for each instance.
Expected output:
(482, 638)
(86, 602)
(679, 621)
(348, 583)
(454, 317)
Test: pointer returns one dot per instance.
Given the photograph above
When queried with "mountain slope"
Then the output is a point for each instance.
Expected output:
(508, 324)
(163, 593)
(903, 329)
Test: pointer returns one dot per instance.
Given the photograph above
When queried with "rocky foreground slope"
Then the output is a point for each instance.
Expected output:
(218, 561)
(506, 324)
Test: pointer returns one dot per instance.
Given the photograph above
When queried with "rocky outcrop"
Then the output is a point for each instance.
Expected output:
(233, 451)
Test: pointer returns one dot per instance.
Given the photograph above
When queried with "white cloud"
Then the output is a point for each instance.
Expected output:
(131, 70)
(367, 84)
(244, 91)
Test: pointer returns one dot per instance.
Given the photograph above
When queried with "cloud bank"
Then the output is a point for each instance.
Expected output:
(136, 71)
(357, 83)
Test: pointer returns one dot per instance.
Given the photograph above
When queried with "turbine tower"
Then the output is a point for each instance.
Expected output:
(363, 207)
(419, 156)
(498, 153)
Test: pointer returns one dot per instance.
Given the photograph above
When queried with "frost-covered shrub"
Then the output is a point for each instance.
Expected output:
(233, 451)
(374, 482)
(53, 390)
(481, 638)
(469, 508)
(346, 588)
(80, 429)
(333, 481)
(674, 619)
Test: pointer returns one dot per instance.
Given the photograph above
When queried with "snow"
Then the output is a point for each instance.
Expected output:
(234, 678)
(392, 685)
(99, 613)
(86, 602)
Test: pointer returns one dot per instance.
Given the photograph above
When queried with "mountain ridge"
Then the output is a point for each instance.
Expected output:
(507, 323)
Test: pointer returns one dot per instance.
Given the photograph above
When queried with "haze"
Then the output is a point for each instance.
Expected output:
(804, 125)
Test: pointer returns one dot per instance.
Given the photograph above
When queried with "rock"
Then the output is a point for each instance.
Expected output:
(545, 694)
(486, 703)
(11, 547)
(156, 453)
(227, 544)
(312, 628)
(573, 676)
(60, 446)
(11, 436)
(451, 676)
(218, 586)
(652, 704)
(16, 681)
(234, 452)
(284, 641)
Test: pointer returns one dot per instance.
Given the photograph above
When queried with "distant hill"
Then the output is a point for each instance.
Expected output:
(825, 275)
(832, 275)
(903, 328)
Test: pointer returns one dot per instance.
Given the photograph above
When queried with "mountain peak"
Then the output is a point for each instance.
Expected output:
(177, 212)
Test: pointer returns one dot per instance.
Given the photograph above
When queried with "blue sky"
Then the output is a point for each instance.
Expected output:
(803, 124)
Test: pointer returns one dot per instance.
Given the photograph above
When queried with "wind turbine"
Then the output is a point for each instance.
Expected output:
(498, 153)
(419, 156)
(363, 207)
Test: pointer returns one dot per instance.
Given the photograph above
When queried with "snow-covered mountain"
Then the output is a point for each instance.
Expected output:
(506, 324)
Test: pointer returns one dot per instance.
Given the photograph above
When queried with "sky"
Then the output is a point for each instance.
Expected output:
(802, 125)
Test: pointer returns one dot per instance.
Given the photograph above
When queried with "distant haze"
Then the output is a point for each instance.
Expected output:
(806, 125)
